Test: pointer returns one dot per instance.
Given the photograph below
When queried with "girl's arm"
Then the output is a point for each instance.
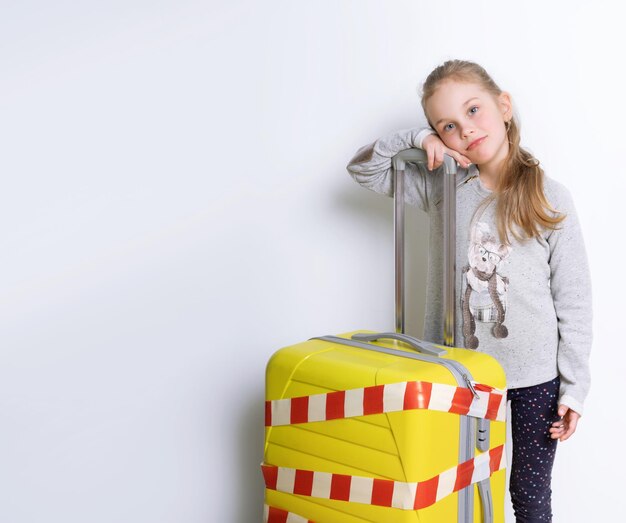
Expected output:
(371, 166)
(570, 284)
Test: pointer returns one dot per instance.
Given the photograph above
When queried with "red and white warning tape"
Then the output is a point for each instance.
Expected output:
(394, 397)
(384, 492)
(277, 515)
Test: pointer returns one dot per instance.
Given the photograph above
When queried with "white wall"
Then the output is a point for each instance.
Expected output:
(175, 207)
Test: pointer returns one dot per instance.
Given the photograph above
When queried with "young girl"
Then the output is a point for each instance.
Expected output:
(522, 276)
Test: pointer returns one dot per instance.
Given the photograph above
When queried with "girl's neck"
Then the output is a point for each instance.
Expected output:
(489, 180)
(490, 171)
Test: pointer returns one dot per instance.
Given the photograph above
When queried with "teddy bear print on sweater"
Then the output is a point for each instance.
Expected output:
(484, 298)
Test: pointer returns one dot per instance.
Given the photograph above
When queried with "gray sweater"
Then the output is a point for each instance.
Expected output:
(528, 304)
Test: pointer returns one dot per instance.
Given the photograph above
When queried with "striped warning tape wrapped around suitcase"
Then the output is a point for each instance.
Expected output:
(385, 492)
(483, 402)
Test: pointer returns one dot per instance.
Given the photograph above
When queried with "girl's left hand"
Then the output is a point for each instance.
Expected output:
(565, 427)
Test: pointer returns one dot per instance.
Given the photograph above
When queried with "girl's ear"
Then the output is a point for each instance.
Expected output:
(506, 105)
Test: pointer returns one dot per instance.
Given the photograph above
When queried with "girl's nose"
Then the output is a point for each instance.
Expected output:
(467, 131)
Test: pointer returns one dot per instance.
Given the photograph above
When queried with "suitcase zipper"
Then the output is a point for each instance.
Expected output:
(470, 386)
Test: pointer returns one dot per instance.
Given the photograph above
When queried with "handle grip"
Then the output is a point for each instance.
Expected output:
(420, 346)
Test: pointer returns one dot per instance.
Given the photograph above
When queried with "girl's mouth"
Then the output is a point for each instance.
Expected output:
(475, 143)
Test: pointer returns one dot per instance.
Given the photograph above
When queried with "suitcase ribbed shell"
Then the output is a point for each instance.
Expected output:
(407, 446)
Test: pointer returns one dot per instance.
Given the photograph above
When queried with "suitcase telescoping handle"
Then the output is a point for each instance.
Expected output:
(399, 161)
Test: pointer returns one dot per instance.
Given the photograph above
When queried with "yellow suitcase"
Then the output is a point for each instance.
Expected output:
(366, 427)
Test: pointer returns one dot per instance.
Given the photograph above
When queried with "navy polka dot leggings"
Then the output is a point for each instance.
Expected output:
(533, 410)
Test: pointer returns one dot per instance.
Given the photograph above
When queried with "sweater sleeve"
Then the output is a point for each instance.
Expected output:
(371, 166)
(571, 291)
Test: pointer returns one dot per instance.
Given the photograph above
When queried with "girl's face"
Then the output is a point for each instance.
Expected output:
(462, 113)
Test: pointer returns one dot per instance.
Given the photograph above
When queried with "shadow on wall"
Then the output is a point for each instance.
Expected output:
(251, 433)
(374, 212)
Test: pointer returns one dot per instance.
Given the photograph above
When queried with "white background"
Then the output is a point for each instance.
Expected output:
(175, 207)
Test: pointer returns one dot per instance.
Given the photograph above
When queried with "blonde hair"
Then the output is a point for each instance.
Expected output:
(521, 199)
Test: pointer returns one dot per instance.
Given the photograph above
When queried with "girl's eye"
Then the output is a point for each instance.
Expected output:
(447, 128)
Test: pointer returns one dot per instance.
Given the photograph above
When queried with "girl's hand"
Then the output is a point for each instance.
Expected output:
(564, 428)
(435, 149)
